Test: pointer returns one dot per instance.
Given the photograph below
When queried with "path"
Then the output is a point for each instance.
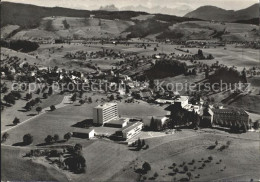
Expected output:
(64, 102)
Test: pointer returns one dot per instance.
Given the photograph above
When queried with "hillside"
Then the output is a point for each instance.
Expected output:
(219, 14)
(29, 16)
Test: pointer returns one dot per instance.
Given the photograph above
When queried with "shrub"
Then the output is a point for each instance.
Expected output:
(146, 166)
(155, 175)
(27, 139)
(49, 139)
(52, 107)
(16, 121)
(67, 136)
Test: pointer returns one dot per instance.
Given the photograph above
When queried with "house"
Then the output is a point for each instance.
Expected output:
(84, 133)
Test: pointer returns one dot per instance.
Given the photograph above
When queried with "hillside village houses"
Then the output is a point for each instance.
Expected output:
(133, 88)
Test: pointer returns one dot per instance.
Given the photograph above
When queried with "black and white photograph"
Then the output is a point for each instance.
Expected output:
(130, 91)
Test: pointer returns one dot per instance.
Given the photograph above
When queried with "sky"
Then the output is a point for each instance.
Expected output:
(95, 4)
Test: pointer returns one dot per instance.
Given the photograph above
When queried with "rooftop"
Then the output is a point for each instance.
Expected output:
(234, 111)
(118, 121)
(106, 105)
(182, 98)
(131, 126)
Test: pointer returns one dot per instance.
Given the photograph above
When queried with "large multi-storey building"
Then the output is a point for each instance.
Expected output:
(229, 117)
(105, 113)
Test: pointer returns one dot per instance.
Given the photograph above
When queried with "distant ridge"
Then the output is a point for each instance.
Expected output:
(219, 14)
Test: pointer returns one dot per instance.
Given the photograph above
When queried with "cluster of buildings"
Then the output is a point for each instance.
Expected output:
(107, 115)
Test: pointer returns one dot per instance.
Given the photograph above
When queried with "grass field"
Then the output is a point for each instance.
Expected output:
(61, 120)
(17, 168)
(239, 161)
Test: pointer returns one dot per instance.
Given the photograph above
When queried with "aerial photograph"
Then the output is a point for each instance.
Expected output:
(130, 91)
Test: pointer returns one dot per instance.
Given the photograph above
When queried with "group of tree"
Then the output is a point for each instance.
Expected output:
(32, 103)
(182, 117)
(20, 45)
(52, 139)
(166, 68)
(9, 98)
(155, 125)
(227, 75)
(76, 162)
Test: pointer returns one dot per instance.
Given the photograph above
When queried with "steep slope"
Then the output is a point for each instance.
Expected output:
(219, 14)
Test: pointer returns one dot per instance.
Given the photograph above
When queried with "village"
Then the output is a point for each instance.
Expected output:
(119, 96)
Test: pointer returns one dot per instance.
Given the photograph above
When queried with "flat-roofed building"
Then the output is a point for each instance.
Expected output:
(132, 130)
(84, 133)
(117, 123)
(105, 113)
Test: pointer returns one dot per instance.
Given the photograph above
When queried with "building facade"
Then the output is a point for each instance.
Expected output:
(105, 113)
(132, 130)
(229, 117)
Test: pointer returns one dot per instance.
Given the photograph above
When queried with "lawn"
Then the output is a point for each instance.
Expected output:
(61, 120)
(17, 168)
(240, 159)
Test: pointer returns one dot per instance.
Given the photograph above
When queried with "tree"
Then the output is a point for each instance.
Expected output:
(139, 143)
(81, 101)
(5, 136)
(49, 139)
(155, 49)
(67, 136)
(27, 139)
(146, 166)
(16, 94)
(28, 96)
(74, 97)
(143, 143)
(90, 100)
(256, 125)
(28, 106)
(112, 97)
(37, 100)
(52, 107)
(38, 91)
(10, 99)
(200, 53)
(56, 137)
(38, 109)
(80, 163)
(189, 175)
(77, 148)
(207, 73)
(185, 168)
(45, 95)
(50, 91)
(16, 121)
(216, 142)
